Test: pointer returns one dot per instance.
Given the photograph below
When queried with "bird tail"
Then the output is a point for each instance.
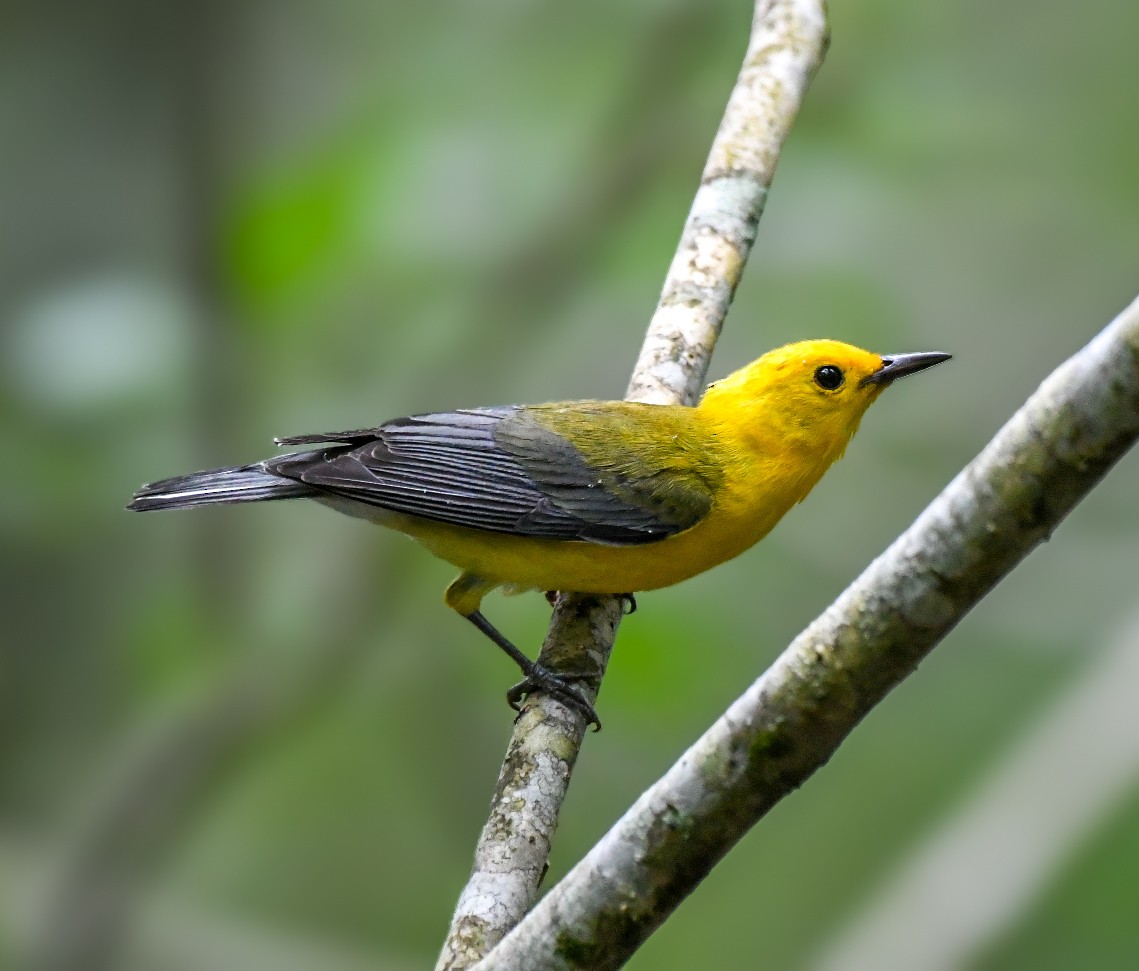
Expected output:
(238, 483)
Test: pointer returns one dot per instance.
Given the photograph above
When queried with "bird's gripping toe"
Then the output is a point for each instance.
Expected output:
(539, 678)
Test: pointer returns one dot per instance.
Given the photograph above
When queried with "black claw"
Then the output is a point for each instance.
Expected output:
(630, 603)
(536, 677)
(542, 679)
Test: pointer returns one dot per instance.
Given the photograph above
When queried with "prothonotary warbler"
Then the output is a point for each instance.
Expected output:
(600, 497)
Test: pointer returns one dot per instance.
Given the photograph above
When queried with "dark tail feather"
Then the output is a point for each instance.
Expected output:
(239, 483)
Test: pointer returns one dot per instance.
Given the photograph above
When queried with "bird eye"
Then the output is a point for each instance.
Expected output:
(829, 377)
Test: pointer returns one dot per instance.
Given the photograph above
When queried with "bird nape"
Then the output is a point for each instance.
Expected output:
(596, 497)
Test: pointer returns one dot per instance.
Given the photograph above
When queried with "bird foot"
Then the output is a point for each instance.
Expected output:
(629, 602)
(539, 678)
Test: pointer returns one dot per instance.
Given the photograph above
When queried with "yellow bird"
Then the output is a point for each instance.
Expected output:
(601, 497)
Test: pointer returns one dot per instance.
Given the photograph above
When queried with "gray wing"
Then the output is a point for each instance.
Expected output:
(453, 468)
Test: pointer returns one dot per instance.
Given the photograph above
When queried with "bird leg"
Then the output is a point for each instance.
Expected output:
(535, 676)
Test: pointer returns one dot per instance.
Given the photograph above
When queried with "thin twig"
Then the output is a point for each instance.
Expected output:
(786, 46)
(1049, 455)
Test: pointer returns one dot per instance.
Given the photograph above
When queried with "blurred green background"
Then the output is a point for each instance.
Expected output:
(254, 738)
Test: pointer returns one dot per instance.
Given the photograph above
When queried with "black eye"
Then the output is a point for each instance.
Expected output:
(829, 377)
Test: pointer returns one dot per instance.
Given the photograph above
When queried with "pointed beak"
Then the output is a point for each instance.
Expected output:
(896, 366)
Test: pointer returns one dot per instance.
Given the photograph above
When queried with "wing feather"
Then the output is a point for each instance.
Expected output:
(494, 469)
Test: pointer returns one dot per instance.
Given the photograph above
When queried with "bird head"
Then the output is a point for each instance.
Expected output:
(815, 389)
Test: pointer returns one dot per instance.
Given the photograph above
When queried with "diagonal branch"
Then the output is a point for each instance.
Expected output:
(786, 46)
(1007, 501)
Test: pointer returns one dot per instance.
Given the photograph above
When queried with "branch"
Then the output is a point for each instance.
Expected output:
(786, 46)
(1008, 500)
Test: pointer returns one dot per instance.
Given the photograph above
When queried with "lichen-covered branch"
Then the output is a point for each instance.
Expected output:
(787, 43)
(510, 859)
(1007, 501)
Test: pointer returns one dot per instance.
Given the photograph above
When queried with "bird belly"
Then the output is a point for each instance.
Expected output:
(534, 563)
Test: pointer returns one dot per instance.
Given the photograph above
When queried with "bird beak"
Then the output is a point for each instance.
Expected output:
(896, 366)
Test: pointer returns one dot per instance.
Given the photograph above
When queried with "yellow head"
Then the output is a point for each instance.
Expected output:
(812, 391)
